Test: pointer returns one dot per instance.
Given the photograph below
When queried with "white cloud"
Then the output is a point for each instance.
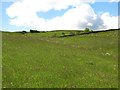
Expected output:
(77, 18)
(110, 21)
(90, 24)
(114, 0)
(81, 16)
(9, 0)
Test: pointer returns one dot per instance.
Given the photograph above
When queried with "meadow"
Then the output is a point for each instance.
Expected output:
(38, 60)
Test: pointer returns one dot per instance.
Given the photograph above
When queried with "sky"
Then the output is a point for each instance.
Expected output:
(47, 15)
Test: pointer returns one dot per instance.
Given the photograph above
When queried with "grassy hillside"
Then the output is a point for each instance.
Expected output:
(35, 60)
(57, 33)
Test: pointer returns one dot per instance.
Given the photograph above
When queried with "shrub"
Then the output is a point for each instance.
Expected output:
(23, 32)
(86, 30)
(63, 34)
(34, 31)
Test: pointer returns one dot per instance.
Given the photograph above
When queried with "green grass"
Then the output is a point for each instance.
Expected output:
(83, 61)
(53, 33)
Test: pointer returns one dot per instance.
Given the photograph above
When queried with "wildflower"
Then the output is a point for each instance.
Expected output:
(8, 81)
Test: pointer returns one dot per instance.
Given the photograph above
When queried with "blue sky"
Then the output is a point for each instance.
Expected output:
(6, 19)
(98, 7)
(106, 7)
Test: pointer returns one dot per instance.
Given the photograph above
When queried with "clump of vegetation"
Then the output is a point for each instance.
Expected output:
(63, 34)
(34, 31)
(91, 30)
(86, 30)
(23, 32)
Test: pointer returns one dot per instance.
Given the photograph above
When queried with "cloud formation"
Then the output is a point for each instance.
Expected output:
(110, 22)
(82, 15)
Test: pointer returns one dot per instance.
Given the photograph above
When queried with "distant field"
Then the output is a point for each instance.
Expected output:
(38, 60)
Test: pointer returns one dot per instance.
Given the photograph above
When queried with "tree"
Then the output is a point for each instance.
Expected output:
(34, 31)
(86, 30)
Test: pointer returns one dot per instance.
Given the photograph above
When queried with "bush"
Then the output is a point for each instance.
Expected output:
(34, 31)
(63, 34)
(86, 30)
(23, 32)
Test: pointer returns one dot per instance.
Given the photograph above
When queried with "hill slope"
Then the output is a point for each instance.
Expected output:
(83, 61)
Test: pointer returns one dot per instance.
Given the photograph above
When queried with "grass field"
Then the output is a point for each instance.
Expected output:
(82, 61)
